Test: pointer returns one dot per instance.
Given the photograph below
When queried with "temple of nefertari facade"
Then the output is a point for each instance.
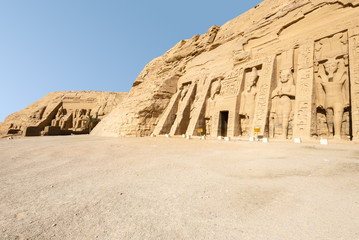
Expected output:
(61, 113)
(285, 69)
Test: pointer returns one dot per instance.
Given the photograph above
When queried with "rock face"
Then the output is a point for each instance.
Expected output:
(285, 69)
(61, 113)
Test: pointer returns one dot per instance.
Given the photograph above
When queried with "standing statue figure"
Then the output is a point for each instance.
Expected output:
(282, 98)
(211, 101)
(65, 120)
(333, 76)
(181, 104)
(199, 90)
(80, 119)
(216, 88)
(76, 115)
(84, 118)
(248, 101)
(184, 90)
(60, 113)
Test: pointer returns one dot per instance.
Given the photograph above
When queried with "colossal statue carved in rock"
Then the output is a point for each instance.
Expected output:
(79, 117)
(210, 105)
(333, 77)
(56, 121)
(282, 101)
(333, 99)
(248, 101)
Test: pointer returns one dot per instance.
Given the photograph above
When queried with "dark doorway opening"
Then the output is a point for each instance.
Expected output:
(223, 122)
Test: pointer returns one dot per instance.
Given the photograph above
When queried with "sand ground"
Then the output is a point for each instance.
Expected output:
(82, 187)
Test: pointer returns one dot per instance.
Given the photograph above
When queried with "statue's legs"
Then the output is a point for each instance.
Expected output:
(62, 124)
(285, 126)
(249, 125)
(286, 108)
(338, 110)
(329, 114)
(271, 125)
(278, 121)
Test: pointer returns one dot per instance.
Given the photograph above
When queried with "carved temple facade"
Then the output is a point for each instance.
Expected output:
(62, 113)
(305, 85)
(284, 69)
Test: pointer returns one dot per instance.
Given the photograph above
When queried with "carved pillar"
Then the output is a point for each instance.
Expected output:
(354, 79)
(199, 109)
(164, 124)
(233, 119)
(264, 93)
(182, 117)
(305, 107)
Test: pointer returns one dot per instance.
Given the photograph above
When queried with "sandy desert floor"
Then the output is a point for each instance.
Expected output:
(81, 187)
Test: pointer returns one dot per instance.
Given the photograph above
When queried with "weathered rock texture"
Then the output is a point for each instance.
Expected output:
(284, 69)
(62, 113)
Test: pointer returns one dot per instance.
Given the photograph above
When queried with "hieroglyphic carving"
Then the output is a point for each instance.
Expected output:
(229, 87)
(304, 104)
(230, 83)
(354, 79)
(262, 105)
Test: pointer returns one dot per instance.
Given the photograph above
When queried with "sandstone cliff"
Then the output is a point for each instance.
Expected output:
(63, 108)
(270, 38)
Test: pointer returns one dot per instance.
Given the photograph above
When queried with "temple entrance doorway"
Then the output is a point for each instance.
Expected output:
(223, 123)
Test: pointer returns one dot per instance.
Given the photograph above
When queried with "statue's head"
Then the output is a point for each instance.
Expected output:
(331, 66)
(184, 90)
(286, 75)
(216, 87)
(252, 80)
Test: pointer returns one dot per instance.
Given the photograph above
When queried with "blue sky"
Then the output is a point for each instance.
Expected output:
(102, 45)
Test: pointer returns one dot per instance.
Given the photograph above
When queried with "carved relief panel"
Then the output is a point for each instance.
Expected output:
(230, 83)
(304, 117)
(260, 119)
(354, 79)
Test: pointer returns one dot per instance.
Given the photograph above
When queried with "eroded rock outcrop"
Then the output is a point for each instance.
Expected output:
(62, 113)
(283, 69)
